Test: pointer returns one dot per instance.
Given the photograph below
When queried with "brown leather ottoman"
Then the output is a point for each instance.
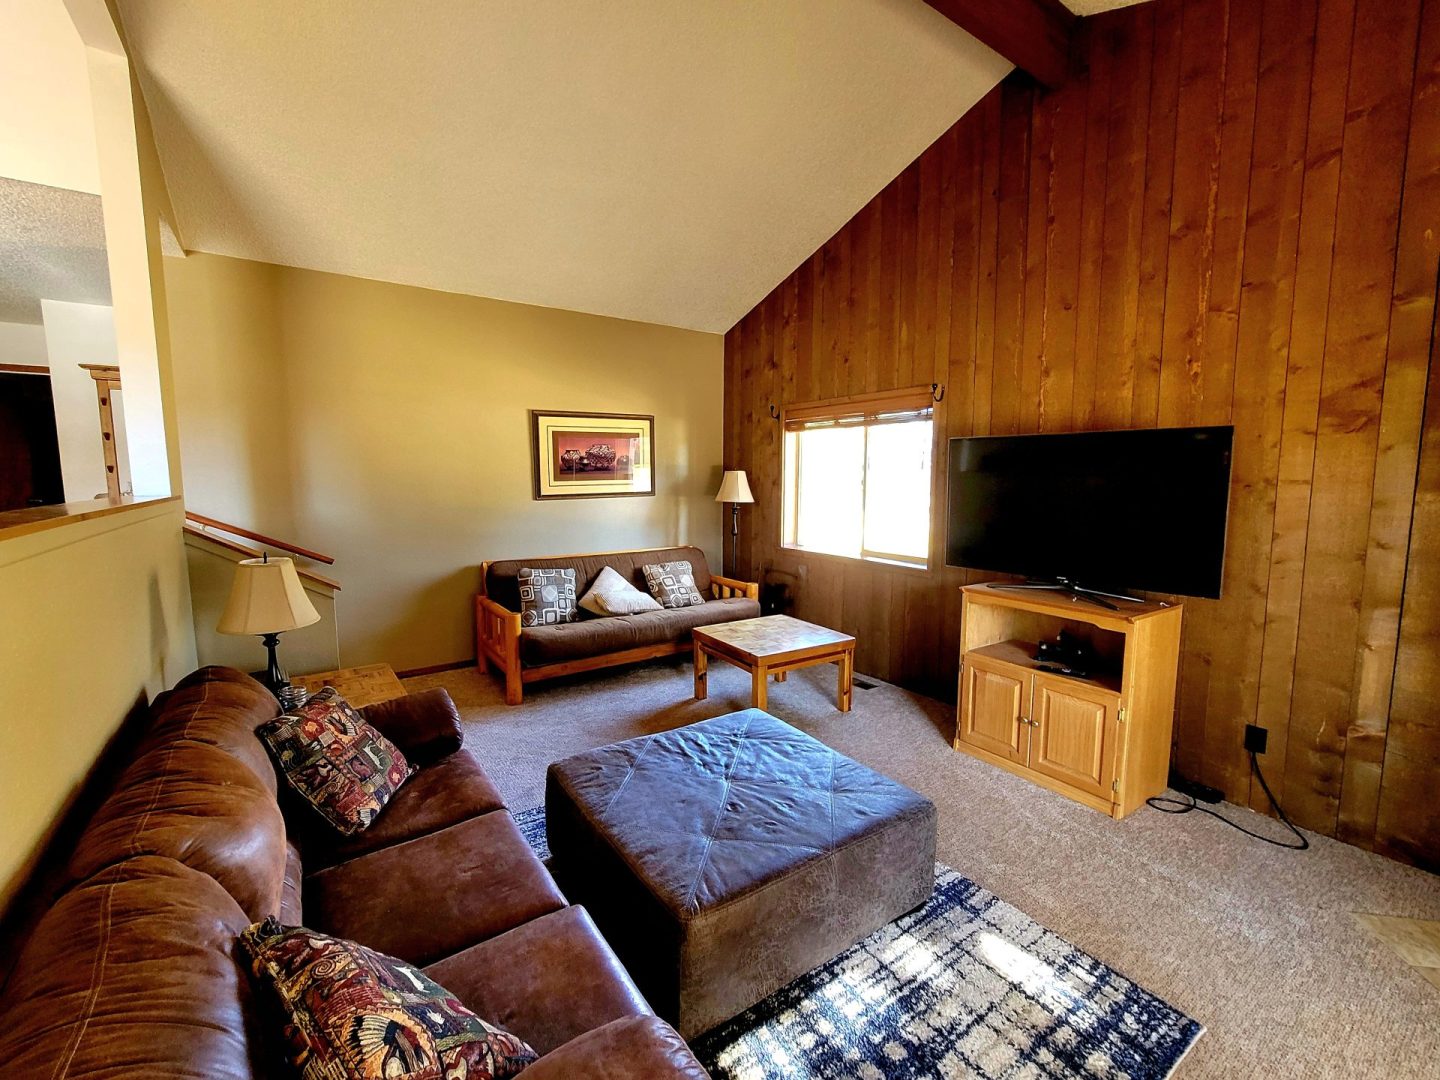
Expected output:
(724, 859)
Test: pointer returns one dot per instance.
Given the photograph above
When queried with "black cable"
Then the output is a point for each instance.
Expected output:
(1167, 805)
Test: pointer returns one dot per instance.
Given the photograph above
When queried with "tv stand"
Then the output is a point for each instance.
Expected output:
(1074, 590)
(1102, 739)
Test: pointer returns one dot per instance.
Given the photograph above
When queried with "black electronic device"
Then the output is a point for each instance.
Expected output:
(1094, 511)
(1067, 654)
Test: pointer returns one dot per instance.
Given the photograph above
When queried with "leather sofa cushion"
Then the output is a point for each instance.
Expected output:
(438, 796)
(518, 979)
(432, 897)
(425, 725)
(501, 585)
(197, 804)
(134, 973)
(292, 911)
(637, 1048)
(217, 707)
(218, 673)
(594, 637)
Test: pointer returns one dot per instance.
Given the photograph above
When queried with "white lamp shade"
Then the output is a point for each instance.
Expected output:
(267, 598)
(734, 488)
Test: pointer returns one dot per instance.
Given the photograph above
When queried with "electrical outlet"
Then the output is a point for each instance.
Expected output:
(1256, 738)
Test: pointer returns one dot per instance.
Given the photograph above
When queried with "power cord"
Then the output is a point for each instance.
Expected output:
(1167, 805)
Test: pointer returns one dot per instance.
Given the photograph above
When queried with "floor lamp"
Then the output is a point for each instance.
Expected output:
(734, 489)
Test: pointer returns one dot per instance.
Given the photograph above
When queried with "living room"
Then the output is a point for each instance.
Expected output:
(585, 379)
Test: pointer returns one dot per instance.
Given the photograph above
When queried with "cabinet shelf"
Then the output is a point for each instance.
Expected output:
(1021, 654)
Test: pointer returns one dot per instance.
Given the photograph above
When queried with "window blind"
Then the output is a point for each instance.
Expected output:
(900, 407)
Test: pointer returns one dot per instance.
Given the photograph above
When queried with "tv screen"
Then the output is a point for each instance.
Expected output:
(1114, 510)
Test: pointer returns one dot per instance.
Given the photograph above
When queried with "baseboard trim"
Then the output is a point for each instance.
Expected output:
(435, 669)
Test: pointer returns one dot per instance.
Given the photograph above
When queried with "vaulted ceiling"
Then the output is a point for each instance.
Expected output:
(656, 160)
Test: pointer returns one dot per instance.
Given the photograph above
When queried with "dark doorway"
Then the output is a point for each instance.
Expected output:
(29, 449)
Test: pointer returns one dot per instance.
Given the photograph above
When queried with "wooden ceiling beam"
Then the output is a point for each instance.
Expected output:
(1034, 35)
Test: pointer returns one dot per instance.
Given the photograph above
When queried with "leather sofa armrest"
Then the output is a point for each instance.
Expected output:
(635, 1048)
(424, 725)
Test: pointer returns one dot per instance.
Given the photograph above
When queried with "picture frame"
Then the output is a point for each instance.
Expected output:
(592, 455)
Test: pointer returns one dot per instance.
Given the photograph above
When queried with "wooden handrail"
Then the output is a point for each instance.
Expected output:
(255, 553)
(259, 538)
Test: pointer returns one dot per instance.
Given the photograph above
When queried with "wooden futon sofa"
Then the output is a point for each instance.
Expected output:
(529, 654)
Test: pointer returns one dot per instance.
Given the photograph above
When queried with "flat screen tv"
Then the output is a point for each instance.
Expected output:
(1119, 511)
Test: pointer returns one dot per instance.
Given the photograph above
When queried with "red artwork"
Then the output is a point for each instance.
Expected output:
(593, 455)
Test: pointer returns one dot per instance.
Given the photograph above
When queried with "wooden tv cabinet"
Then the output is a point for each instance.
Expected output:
(1103, 740)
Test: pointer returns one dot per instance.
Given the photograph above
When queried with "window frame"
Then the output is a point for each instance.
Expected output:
(860, 409)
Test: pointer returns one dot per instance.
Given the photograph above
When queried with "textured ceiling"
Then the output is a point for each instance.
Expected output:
(52, 246)
(657, 160)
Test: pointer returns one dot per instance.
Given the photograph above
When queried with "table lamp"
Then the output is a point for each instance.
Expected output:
(267, 599)
(734, 489)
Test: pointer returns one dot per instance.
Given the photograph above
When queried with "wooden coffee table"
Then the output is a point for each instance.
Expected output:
(773, 645)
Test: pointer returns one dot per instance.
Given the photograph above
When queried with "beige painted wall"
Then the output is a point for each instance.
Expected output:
(388, 426)
(47, 133)
(96, 613)
(97, 619)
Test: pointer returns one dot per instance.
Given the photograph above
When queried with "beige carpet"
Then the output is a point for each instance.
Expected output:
(1260, 945)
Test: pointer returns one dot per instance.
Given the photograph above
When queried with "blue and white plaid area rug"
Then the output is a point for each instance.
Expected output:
(966, 986)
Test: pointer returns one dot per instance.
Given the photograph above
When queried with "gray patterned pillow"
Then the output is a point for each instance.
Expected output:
(547, 597)
(673, 584)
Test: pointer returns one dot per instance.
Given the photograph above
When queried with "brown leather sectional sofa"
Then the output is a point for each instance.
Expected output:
(528, 654)
(133, 971)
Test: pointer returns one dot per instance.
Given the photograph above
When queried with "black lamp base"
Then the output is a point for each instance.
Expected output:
(273, 677)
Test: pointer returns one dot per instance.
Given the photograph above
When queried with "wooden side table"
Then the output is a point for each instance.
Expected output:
(773, 645)
(360, 686)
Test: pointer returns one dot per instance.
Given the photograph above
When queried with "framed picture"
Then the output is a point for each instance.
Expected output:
(592, 455)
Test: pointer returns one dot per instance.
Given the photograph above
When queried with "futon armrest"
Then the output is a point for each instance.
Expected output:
(424, 725)
(636, 1048)
(725, 587)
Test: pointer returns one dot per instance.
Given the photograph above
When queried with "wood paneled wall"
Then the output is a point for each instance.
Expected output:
(1230, 216)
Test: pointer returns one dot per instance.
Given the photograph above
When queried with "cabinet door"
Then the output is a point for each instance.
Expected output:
(993, 700)
(1075, 734)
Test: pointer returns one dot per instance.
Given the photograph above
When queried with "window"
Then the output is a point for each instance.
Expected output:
(857, 477)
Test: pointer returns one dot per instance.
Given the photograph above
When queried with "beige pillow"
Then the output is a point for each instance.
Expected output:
(613, 595)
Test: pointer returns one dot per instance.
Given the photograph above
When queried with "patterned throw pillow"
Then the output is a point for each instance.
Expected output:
(354, 1012)
(673, 584)
(547, 597)
(337, 762)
